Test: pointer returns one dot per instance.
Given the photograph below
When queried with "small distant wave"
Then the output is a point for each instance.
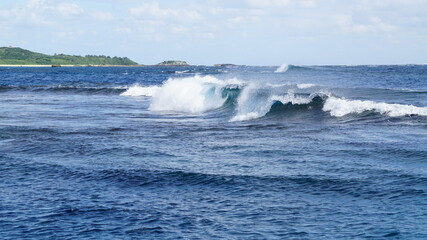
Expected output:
(299, 85)
(339, 107)
(66, 89)
(199, 70)
(182, 72)
(409, 90)
(137, 91)
(305, 85)
(290, 67)
(283, 68)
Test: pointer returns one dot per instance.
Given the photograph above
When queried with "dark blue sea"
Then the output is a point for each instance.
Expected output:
(229, 152)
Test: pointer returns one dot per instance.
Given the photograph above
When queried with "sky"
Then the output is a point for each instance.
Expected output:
(249, 32)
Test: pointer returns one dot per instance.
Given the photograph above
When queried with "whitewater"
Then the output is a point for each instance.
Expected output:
(204, 152)
(199, 94)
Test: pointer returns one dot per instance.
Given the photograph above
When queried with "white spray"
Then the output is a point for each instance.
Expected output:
(283, 68)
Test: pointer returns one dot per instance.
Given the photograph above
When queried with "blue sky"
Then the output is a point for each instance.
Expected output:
(252, 32)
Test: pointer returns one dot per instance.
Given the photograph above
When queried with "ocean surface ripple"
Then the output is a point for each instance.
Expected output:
(231, 152)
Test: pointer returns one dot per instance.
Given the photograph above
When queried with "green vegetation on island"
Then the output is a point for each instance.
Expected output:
(19, 56)
(173, 63)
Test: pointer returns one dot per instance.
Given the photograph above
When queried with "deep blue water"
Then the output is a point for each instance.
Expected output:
(309, 152)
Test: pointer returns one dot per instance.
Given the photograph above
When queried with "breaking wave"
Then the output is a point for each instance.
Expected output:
(305, 85)
(339, 107)
(192, 95)
(282, 68)
(247, 100)
(253, 103)
(138, 90)
(288, 67)
(189, 95)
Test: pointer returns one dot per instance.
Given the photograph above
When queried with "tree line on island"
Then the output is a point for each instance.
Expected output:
(19, 56)
(15, 56)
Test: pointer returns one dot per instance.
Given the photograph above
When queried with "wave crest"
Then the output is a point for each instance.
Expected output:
(283, 68)
(339, 107)
(199, 94)
(193, 95)
(255, 102)
(137, 91)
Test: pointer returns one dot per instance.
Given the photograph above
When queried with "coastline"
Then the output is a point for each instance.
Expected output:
(139, 65)
(6, 65)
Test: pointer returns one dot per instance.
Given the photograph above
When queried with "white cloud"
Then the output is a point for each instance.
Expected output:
(236, 20)
(380, 25)
(36, 4)
(39, 13)
(26, 17)
(152, 10)
(207, 35)
(69, 9)
(65, 34)
(5, 13)
(287, 24)
(178, 29)
(308, 4)
(268, 3)
(103, 16)
(50, 7)
(375, 24)
(34, 19)
(122, 30)
(343, 20)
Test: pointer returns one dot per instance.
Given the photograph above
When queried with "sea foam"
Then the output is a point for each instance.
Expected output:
(137, 91)
(305, 85)
(290, 97)
(339, 107)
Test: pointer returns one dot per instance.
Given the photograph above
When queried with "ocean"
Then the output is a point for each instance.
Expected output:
(198, 152)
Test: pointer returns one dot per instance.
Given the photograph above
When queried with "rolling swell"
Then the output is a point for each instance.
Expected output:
(62, 89)
(319, 184)
(314, 164)
(311, 184)
(246, 101)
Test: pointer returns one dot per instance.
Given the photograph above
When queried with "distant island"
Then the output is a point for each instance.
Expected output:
(173, 63)
(15, 56)
(225, 65)
(18, 56)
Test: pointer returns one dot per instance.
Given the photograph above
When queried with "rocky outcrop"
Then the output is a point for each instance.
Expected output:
(173, 63)
(225, 65)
